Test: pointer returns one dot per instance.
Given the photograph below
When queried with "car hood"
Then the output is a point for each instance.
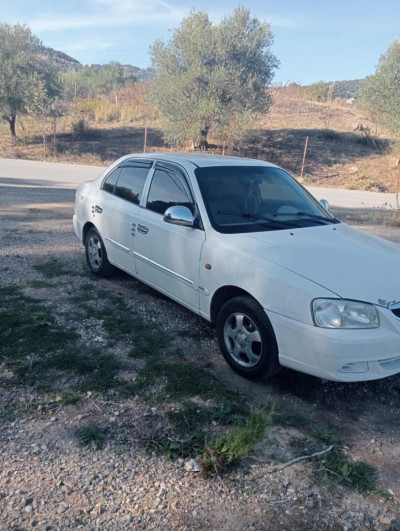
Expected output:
(346, 261)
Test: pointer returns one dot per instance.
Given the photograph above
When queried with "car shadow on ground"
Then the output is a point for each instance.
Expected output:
(353, 398)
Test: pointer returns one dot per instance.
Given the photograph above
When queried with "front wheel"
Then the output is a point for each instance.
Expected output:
(96, 255)
(246, 338)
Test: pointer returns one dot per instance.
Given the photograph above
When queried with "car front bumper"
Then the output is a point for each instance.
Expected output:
(339, 355)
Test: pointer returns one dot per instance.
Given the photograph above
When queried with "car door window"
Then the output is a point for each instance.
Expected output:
(111, 181)
(131, 182)
(168, 189)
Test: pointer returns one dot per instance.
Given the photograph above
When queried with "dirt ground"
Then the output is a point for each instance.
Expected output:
(47, 482)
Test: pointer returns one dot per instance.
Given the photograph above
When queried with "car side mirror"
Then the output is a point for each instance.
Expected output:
(324, 203)
(179, 215)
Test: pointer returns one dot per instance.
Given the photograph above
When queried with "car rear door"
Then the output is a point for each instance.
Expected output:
(116, 210)
(167, 256)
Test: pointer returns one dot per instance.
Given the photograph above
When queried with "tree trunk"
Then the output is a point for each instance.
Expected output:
(203, 144)
(11, 120)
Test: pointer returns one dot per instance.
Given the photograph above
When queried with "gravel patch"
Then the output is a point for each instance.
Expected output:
(48, 481)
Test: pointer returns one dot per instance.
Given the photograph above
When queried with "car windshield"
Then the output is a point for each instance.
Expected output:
(257, 198)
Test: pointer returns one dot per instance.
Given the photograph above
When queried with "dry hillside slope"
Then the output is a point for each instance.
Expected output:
(345, 149)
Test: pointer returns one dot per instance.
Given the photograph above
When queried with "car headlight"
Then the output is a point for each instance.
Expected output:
(341, 313)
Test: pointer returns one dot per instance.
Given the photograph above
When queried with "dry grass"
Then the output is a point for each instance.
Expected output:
(298, 112)
(338, 155)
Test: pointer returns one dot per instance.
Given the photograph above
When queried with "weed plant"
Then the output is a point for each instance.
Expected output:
(336, 466)
(221, 452)
(91, 436)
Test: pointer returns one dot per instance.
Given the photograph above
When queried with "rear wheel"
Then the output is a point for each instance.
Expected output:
(247, 339)
(96, 254)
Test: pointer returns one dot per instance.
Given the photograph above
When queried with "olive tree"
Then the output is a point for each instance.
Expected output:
(27, 78)
(381, 92)
(212, 77)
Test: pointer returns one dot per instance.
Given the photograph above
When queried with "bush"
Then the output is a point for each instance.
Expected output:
(319, 91)
(80, 128)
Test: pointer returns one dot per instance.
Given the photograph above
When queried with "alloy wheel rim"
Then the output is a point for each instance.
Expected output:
(94, 252)
(243, 340)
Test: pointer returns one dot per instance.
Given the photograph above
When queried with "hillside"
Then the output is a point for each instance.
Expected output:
(345, 149)
(61, 59)
(65, 62)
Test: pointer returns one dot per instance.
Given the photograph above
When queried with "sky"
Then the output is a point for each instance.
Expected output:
(314, 40)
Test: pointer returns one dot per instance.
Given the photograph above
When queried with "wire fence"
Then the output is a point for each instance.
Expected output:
(285, 148)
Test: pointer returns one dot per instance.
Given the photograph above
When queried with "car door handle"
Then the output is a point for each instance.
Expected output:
(142, 229)
(98, 209)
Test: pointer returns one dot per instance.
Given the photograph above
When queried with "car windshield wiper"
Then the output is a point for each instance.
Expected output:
(307, 215)
(249, 215)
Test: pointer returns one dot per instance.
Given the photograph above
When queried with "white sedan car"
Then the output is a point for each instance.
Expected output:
(242, 244)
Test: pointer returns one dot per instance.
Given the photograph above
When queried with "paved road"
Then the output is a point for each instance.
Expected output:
(35, 173)
(354, 199)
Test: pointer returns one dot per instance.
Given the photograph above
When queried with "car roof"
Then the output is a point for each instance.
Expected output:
(198, 159)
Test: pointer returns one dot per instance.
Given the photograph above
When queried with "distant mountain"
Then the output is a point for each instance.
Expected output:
(61, 59)
(65, 62)
(141, 74)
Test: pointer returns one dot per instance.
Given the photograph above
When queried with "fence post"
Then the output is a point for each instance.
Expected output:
(54, 136)
(145, 138)
(224, 145)
(304, 158)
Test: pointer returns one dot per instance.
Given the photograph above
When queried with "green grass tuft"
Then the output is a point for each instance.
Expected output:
(28, 332)
(52, 268)
(7, 412)
(179, 381)
(220, 452)
(92, 436)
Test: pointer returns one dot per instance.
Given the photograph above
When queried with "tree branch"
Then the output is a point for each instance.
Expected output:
(302, 458)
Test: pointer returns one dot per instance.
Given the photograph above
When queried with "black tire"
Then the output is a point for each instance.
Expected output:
(96, 254)
(246, 338)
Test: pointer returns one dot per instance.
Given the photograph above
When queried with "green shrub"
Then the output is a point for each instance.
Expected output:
(80, 128)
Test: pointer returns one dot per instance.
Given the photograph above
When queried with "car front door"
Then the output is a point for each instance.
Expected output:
(117, 208)
(167, 256)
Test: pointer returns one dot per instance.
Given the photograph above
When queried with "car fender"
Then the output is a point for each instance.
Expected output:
(276, 288)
